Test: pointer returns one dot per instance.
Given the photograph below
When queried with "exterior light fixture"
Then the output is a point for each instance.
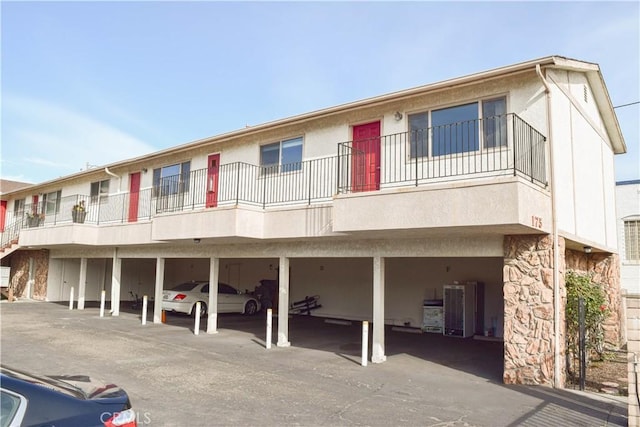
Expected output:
(588, 249)
(196, 240)
(397, 116)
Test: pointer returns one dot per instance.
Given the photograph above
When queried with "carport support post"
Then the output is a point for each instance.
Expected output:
(115, 284)
(283, 303)
(377, 347)
(212, 305)
(157, 293)
(82, 286)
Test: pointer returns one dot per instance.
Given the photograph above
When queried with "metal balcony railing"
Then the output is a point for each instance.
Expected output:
(501, 145)
(238, 183)
(485, 147)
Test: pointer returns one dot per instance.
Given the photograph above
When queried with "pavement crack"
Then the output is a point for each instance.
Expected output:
(339, 414)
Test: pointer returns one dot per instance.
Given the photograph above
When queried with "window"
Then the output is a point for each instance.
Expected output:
(18, 207)
(171, 179)
(455, 129)
(51, 202)
(418, 135)
(99, 190)
(494, 121)
(632, 240)
(284, 156)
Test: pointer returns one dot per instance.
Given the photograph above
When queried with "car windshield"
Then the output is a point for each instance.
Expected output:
(185, 287)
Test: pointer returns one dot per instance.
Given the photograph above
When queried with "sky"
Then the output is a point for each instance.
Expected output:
(87, 83)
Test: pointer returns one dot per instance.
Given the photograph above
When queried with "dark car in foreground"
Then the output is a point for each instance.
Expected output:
(30, 400)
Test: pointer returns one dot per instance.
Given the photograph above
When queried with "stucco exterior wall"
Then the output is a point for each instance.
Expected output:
(583, 160)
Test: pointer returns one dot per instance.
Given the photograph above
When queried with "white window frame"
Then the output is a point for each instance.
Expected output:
(102, 193)
(428, 153)
(632, 240)
(279, 167)
(183, 181)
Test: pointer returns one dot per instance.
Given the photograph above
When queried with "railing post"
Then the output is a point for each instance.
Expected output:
(416, 154)
(531, 152)
(338, 169)
(310, 173)
(238, 184)
(98, 213)
(122, 200)
(264, 190)
(515, 146)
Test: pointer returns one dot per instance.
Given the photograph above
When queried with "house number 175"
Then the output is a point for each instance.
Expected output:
(536, 221)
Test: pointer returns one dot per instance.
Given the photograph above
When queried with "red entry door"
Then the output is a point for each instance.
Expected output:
(366, 157)
(213, 167)
(134, 196)
(3, 214)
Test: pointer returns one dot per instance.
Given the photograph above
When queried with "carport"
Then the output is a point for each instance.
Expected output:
(388, 291)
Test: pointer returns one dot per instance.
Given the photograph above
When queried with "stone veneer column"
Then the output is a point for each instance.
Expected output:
(605, 271)
(529, 310)
(19, 263)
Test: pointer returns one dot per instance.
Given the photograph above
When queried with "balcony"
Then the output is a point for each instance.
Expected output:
(491, 156)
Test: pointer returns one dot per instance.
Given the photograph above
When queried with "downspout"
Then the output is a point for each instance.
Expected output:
(106, 169)
(557, 359)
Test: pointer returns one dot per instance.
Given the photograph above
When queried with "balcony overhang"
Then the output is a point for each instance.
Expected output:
(238, 223)
(505, 205)
(137, 233)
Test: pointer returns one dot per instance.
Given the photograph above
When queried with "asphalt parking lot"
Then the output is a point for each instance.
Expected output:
(175, 378)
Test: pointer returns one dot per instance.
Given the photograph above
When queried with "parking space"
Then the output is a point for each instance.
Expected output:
(229, 378)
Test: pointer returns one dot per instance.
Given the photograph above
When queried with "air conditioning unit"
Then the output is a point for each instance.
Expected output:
(459, 310)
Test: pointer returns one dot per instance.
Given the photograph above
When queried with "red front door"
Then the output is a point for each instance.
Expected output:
(365, 173)
(134, 196)
(3, 214)
(213, 166)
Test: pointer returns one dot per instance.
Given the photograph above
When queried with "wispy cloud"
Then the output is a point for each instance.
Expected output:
(46, 140)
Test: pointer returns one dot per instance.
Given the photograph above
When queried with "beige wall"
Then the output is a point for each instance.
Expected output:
(583, 164)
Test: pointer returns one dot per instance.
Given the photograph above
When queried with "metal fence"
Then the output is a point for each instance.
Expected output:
(310, 181)
(485, 147)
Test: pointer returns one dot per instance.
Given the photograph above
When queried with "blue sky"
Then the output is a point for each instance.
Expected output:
(97, 82)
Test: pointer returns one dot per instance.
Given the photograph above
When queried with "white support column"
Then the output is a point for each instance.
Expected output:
(157, 293)
(378, 355)
(115, 284)
(212, 305)
(283, 304)
(82, 286)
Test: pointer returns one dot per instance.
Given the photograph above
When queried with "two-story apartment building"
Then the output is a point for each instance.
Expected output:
(497, 181)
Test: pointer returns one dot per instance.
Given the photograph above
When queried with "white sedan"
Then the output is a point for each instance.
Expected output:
(183, 298)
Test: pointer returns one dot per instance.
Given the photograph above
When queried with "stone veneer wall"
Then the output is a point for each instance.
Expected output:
(20, 273)
(605, 269)
(528, 310)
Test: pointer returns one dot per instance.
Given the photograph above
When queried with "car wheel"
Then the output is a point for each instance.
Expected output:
(203, 309)
(250, 308)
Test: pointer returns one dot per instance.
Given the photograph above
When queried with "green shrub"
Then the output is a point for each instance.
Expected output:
(596, 311)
